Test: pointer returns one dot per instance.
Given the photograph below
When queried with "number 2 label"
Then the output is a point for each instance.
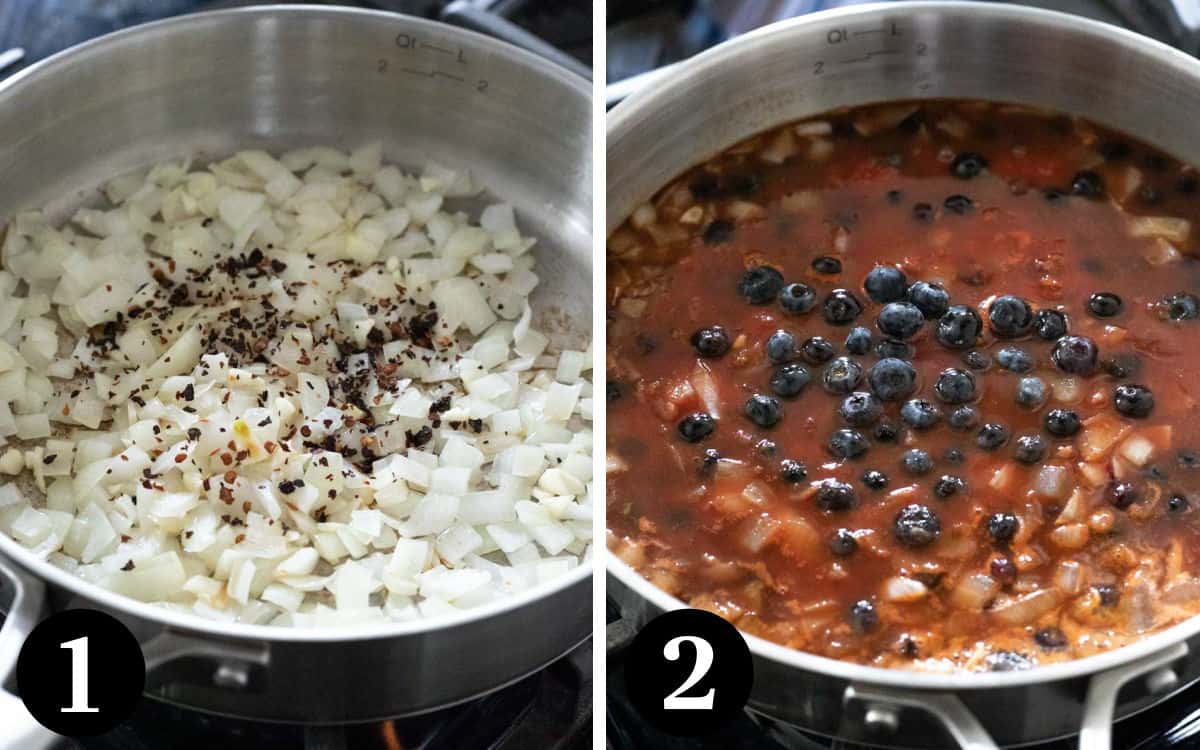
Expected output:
(704, 660)
(79, 677)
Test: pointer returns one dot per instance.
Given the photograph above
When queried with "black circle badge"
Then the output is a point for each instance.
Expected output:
(688, 672)
(80, 673)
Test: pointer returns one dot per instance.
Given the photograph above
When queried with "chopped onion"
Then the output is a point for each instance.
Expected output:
(295, 390)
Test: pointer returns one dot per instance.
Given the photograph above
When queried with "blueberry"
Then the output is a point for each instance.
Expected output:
(847, 443)
(1010, 316)
(863, 617)
(977, 360)
(1002, 527)
(1030, 449)
(1049, 324)
(695, 427)
(1133, 400)
(1109, 595)
(968, 164)
(764, 411)
(874, 479)
(614, 390)
(1031, 392)
(959, 328)
(958, 204)
(1087, 184)
(899, 320)
(718, 232)
(916, 526)
(858, 341)
(843, 543)
(860, 409)
(1014, 360)
(920, 414)
(1007, 661)
(842, 375)
(931, 299)
(885, 284)
(922, 211)
(710, 342)
(792, 471)
(781, 346)
(1105, 304)
(817, 350)
(964, 418)
(1188, 459)
(1182, 306)
(760, 285)
(841, 307)
(766, 448)
(955, 386)
(1050, 639)
(1075, 355)
(991, 436)
(798, 297)
(835, 495)
(948, 485)
(827, 265)
(886, 431)
(893, 349)
(917, 461)
(789, 380)
(1003, 569)
(708, 462)
(1121, 494)
(954, 456)
(1177, 503)
(892, 379)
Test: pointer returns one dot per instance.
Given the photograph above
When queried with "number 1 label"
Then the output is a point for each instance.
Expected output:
(79, 677)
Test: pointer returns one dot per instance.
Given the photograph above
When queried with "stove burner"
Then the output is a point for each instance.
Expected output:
(550, 709)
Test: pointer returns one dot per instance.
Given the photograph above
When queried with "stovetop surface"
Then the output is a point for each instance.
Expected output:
(549, 710)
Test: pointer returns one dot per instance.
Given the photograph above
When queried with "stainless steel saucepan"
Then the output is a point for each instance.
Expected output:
(275, 78)
(877, 53)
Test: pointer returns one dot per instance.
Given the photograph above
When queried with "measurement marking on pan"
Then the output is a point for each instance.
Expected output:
(443, 50)
(433, 74)
(869, 55)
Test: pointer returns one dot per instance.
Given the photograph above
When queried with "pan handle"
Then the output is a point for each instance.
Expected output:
(1101, 702)
(21, 730)
(234, 665)
(881, 703)
(1099, 707)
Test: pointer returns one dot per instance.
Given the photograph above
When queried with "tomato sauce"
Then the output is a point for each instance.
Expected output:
(1033, 505)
